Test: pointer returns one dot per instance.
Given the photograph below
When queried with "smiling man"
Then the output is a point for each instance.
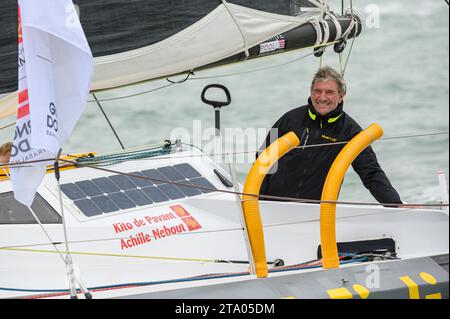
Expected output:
(301, 173)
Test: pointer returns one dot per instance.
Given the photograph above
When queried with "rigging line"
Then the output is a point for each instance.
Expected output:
(446, 1)
(6, 126)
(21, 164)
(24, 246)
(107, 119)
(46, 234)
(239, 27)
(270, 67)
(181, 81)
(68, 260)
(134, 94)
(413, 136)
(112, 255)
(348, 56)
(353, 42)
(377, 213)
(49, 293)
(194, 146)
(279, 198)
(341, 70)
(120, 238)
(212, 77)
(252, 71)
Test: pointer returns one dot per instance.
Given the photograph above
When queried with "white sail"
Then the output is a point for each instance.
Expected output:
(226, 31)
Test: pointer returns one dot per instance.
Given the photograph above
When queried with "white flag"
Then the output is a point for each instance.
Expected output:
(55, 71)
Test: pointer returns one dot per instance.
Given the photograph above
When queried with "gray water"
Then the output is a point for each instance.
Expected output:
(397, 76)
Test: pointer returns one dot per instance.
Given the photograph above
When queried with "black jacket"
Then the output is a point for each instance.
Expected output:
(301, 173)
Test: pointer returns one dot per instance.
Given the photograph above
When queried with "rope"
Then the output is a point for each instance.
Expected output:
(349, 54)
(269, 197)
(21, 164)
(268, 67)
(107, 119)
(354, 37)
(26, 247)
(225, 4)
(111, 159)
(6, 126)
(120, 238)
(113, 255)
(63, 292)
(136, 94)
(181, 81)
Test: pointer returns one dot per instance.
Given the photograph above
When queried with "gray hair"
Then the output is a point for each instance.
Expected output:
(327, 73)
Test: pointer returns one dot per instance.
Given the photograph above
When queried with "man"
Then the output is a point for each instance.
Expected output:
(5, 154)
(302, 172)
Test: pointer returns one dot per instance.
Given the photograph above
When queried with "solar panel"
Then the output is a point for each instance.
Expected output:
(203, 182)
(187, 170)
(72, 191)
(89, 188)
(105, 204)
(155, 194)
(188, 191)
(155, 176)
(171, 191)
(138, 197)
(122, 200)
(171, 173)
(88, 207)
(141, 182)
(123, 182)
(106, 185)
(119, 192)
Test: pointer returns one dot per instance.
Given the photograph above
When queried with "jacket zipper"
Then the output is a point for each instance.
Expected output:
(305, 169)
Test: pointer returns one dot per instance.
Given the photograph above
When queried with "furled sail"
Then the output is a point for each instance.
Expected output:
(149, 39)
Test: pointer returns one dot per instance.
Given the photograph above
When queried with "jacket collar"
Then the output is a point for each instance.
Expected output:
(330, 117)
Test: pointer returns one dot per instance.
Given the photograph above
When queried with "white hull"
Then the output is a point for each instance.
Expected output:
(105, 255)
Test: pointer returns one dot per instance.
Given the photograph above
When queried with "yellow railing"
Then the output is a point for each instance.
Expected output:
(330, 192)
(250, 203)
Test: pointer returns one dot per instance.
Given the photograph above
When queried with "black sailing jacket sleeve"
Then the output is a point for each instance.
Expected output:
(371, 174)
(374, 179)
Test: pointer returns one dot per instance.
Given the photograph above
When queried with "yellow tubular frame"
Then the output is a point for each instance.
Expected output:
(330, 192)
(250, 204)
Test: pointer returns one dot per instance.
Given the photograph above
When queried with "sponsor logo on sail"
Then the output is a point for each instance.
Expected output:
(274, 44)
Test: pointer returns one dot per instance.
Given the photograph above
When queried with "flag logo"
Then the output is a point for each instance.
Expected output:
(274, 44)
(190, 221)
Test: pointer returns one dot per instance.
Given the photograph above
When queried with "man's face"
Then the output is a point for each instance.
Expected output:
(325, 96)
(4, 159)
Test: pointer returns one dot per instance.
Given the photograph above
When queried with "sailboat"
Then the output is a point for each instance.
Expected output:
(167, 221)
